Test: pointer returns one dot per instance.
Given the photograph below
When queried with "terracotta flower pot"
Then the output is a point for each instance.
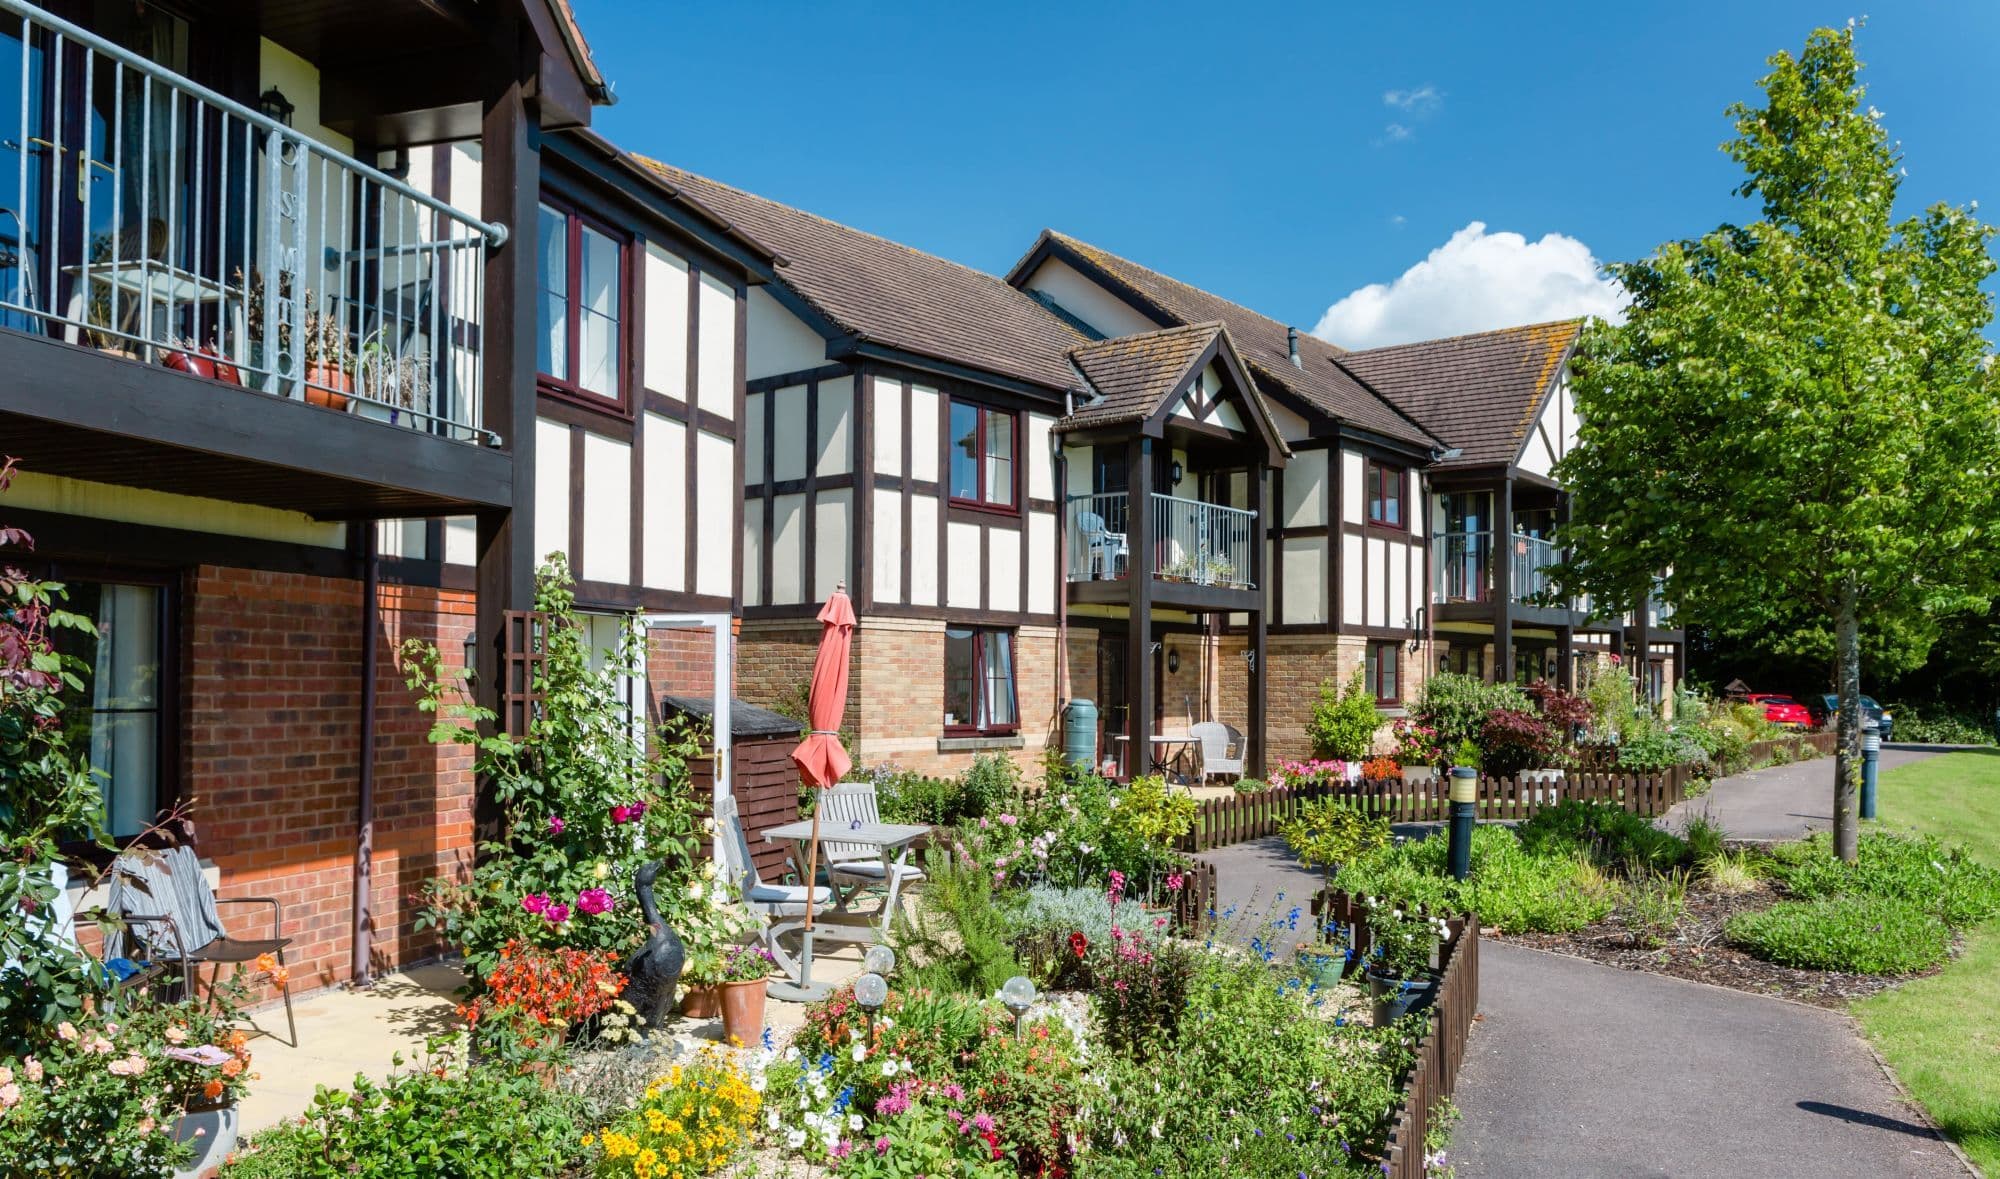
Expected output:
(699, 1001)
(743, 1010)
(338, 385)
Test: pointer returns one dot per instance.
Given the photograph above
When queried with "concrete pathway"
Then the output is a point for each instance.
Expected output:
(1781, 802)
(1583, 1070)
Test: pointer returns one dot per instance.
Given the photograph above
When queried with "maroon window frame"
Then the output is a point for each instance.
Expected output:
(566, 385)
(1384, 672)
(1385, 485)
(979, 502)
(970, 726)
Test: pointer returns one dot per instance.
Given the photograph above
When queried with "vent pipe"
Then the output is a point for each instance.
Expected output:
(1292, 346)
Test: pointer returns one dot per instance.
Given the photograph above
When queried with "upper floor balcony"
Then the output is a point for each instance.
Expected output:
(1463, 567)
(181, 274)
(1193, 544)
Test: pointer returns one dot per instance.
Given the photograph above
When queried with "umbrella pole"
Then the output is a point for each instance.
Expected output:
(812, 891)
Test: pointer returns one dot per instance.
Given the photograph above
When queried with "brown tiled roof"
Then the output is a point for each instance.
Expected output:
(1482, 390)
(1264, 343)
(893, 295)
(579, 49)
(1133, 374)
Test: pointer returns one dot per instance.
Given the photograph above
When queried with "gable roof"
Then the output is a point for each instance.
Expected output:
(579, 52)
(1489, 386)
(879, 291)
(1265, 343)
(1132, 375)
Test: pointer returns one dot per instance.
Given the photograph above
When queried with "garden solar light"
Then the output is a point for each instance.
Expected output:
(1871, 756)
(879, 960)
(871, 991)
(1018, 993)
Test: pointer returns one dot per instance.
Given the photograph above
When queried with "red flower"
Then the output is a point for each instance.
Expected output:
(1078, 944)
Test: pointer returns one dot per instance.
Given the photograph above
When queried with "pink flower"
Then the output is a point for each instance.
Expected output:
(1117, 886)
(536, 902)
(594, 901)
(556, 913)
(626, 812)
(1174, 881)
(34, 1069)
(1008, 820)
(882, 1145)
(99, 1045)
(131, 1066)
(556, 825)
(67, 1031)
(844, 1149)
(10, 1095)
(984, 1121)
(177, 1035)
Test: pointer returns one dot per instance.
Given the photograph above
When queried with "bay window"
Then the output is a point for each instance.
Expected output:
(580, 308)
(982, 456)
(979, 681)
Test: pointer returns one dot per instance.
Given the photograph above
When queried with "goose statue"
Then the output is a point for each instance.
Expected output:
(654, 970)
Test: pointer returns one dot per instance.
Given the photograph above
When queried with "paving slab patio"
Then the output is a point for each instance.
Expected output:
(1577, 1069)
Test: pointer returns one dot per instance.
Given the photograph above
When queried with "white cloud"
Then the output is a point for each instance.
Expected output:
(1395, 132)
(1421, 100)
(1475, 282)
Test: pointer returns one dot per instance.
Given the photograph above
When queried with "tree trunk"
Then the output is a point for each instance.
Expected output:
(1847, 759)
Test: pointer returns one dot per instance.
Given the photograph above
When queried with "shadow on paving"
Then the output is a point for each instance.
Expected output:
(1577, 1069)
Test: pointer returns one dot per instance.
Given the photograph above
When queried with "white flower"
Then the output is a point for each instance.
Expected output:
(757, 1084)
(708, 826)
(805, 1102)
(796, 1139)
(854, 1122)
(602, 871)
(860, 1053)
(792, 1053)
(708, 870)
(887, 1022)
(694, 891)
(854, 1035)
(773, 1120)
(889, 1067)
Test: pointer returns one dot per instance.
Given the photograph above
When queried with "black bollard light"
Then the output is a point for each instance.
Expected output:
(1464, 796)
(1871, 754)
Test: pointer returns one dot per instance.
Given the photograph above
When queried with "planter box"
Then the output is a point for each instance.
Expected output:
(212, 1133)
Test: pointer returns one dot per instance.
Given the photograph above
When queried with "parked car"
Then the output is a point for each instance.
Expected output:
(1781, 709)
(1826, 706)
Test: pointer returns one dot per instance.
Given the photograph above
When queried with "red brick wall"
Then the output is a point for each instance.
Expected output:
(271, 757)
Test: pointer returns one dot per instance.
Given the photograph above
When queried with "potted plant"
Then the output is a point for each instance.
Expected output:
(1417, 751)
(711, 923)
(329, 363)
(1403, 944)
(391, 381)
(1323, 962)
(745, 974)
(1381, 769)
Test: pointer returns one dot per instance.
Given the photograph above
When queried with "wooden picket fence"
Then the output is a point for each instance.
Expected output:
(1434, 1075)
(1220, 822)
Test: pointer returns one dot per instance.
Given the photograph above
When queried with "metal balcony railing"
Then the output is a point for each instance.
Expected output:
(152, 217)
(1528, 578)
(1461, 566)
(1192, 541)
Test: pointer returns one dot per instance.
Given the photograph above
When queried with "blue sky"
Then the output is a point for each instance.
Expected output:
(1281, 155)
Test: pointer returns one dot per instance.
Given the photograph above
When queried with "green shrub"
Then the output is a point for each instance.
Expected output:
(1649, 748)
(1652, 907)
(1511, 887)
(1940, 726)
(1344, 721)
(477, 1123)
(1456, 706)
(1609, 836)
(1866, 935)
(1922, 871)
(959, 938)
(1328, 833)
(1251, 785)
(986, 786)
(1703, 837)
(1512, 740)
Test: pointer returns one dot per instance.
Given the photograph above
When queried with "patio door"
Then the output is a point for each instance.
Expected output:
(1463, 564)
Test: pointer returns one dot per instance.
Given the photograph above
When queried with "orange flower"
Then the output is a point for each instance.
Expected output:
(267, 962)
(231, 1067)
(281, 976)
(212, 1090)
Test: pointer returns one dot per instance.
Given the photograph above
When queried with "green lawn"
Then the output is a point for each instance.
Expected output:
(1940, 1034)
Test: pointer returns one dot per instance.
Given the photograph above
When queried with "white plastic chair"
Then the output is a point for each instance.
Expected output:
(1222, 749)
(1107, 549)
(777, 904)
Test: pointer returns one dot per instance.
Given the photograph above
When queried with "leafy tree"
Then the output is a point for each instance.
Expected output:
(1799, 420)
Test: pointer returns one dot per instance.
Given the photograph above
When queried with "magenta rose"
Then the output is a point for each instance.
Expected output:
(556, 913)
(593, 901)
(556, 825)
(536, 902)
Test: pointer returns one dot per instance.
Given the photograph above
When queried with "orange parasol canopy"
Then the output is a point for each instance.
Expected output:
(820, 756)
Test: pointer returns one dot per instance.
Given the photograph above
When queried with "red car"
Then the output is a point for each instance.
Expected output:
(1781, 709)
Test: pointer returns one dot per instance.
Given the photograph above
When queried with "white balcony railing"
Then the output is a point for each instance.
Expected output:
(1192, 541)
(152, 217)
(1529, 580)
(1462, 567)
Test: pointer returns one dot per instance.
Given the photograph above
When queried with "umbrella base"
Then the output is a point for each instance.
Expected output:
(801, 992)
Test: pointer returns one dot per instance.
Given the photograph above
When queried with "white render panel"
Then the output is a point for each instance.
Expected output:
(1225, 415)
(1082, 297)
(1305, 490)
(1377, 613)
(924, 433)
(1305, 580)
(715, 496)
(833, 526)
(461, 541)
(466, 187)
(788, 439)
(788, 556)
(552, 478)
(1291, 427)
(401, 538)
(962, 566)
(1041, 467)
(666, 322)
(832, 454)
(778, 341)
(607, 509)
(1003, 569)
(753, 439)
(1076, 461)
(1350, 581)
(663, 562)
(1351, 507)
(1396, 573)
(1555, 431)
(886, 562)
(923, 541)
(1041, 562)
(888, 406)
(715, 366)
(1423, 593)
(753, 551)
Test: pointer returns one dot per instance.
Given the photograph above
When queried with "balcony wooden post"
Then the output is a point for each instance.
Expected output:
(1503, 582)
(1259, 623)
(510, 190)
(1139, 574)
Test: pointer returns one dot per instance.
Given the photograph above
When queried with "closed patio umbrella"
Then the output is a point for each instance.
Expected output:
(821, 758)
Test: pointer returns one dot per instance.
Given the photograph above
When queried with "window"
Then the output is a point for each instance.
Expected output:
(979, 681)
(580, 307)
(118, 718)
(1382, 672)
(1466, 659)
(1384, 483)
(982, 456)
